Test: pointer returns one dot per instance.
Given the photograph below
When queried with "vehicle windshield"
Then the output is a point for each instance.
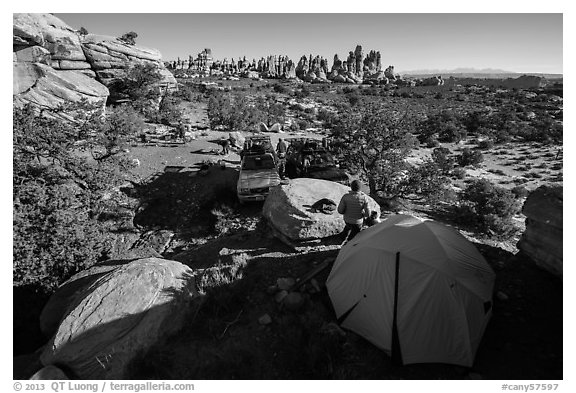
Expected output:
(258, 162)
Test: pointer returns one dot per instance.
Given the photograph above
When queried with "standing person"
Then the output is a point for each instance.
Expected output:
(181, 131)
(305, 164)
(354, 207)
(226, 146)
(281, 152)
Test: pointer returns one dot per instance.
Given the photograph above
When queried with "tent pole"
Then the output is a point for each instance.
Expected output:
(396, 351)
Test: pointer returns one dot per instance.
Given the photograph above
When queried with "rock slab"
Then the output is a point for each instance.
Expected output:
(120, 314)
(288, 209)
(542, 239)
(46, 87)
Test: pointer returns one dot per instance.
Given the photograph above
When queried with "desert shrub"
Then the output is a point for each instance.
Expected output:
(431, 142)
(557, 166)
(222, 274)
(60, 207)
(302, 124)
(269, 110)
(459, 173)
(222, 214)
(474, 121)
(440, 155)
(139, 86)
(497, 172)
(520, 191)
(501, 136)
(302, 92)
(446, 125)
(451, 133)
(327, 117)
(353, 99)
(542, 130)
(488, 207)
(278, 88)
(169, 112)
(129, 38)
(486, 144)
(427, 181)
(374, 143)
(470, 157)
(524, 168)
(234, 112)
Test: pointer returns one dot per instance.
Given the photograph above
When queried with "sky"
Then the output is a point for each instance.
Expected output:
(512, 42)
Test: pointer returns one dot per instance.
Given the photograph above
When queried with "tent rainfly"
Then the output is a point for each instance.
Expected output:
(416, 289)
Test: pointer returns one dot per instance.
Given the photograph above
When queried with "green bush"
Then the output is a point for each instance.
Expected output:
(440, 155)
(446, 125)
(233, 112)
(486, 144)
(489, 207)
(278, 88)
(59, 195)
(520, 191)
(302, 93)
(459, 173)
(327, 117)
(302, 124)
(470, 157)
(353, 99)
(451, 133)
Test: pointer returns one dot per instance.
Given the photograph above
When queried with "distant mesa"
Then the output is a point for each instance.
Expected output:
(54, 64)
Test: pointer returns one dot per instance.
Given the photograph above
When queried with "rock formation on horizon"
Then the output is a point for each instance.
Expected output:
(356, 69)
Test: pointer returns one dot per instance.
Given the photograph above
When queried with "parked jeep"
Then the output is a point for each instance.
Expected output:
(258, 170)
(307, 157)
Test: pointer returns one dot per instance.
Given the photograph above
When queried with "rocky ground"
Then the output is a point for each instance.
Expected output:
(243, 331)
(246, 328)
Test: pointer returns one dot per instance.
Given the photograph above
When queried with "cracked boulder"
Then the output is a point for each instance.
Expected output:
(124, 311)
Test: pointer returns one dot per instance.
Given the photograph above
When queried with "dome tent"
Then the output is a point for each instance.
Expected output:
(416, 289)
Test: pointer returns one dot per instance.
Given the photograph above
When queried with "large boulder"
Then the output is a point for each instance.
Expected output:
(542, 239)
(237, 139)
(110, 58)
(49, 373)
(56, 307)
(46, 87)
(49, 32)
(123, 312)
(288, 209)
(44, 38)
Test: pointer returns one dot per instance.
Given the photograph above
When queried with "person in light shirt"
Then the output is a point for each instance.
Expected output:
(354, 207)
